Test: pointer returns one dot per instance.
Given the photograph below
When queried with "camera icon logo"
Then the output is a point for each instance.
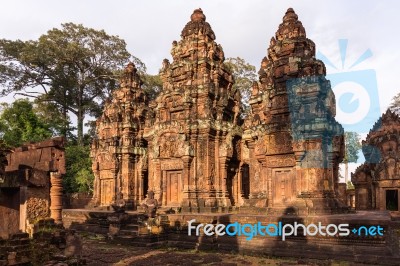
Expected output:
(357, 97)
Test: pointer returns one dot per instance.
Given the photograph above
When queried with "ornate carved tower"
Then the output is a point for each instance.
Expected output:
(118, 153)
(194, 144)
(294, 142)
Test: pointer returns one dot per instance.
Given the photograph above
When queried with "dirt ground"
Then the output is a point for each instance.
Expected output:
(98, 252)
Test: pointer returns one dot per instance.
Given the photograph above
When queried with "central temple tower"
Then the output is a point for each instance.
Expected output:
(194, 143)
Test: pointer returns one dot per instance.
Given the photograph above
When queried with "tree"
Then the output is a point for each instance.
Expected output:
(50, 114)
(20, 123)
(352, 147)
(244, 74)
(74, 67)
(349, 185)
(395, 105)
(152, 85)
(79, 176)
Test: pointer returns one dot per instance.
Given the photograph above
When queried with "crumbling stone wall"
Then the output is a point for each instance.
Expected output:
(30, 185)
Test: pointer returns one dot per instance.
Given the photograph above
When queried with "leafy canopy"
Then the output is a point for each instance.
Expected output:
(19, 123)
(244, 74)
(79, 176)
(75, 68)
(353, 146)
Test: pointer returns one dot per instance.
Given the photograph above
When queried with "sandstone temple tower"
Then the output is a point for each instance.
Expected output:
(194, 144)
(294, 142)
(186, 148)
(118, 152)
(191, 147)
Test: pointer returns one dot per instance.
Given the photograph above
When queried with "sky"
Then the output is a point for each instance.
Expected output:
(244, 29)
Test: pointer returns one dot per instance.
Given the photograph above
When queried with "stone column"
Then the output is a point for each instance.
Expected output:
(56, 191)
(240, 196)
(223, 179)
(188, 187)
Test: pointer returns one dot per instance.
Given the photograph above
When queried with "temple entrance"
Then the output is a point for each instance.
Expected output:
(282, 186)
(145, 186)
(107, 191)
(230, 187)
(174, 187)
(245, 181)
(392, 200)
(9, 211)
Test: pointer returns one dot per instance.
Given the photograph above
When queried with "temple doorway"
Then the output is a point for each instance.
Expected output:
(282, 186)
(107, 191)
(145, 186)
(174, 187)
(245, 181)
(392, 200)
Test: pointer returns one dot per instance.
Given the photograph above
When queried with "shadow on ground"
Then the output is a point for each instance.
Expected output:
(97, 252)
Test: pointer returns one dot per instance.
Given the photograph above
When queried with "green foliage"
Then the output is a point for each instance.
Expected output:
(74, 67)
(152, 85)
(51, 115)
(20, 123)
(244, 74)
(395, 105)
(349, 185)
(353, 146)
(79, 176)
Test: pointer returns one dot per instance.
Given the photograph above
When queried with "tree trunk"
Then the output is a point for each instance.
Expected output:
(80, 118)
(65, 114)
(346, 171)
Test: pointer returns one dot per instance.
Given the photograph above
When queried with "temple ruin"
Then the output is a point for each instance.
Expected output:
(191, 147)
(31, 185)
(377, 181)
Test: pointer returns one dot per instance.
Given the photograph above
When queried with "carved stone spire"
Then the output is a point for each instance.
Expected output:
(291, 27)
(198, 65)
(119, 142)
(196, 131)
(293, 113)
(198, 24)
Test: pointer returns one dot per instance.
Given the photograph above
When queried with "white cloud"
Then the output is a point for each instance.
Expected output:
(243, 28)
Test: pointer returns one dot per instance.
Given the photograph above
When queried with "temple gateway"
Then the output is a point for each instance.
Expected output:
(193, 148)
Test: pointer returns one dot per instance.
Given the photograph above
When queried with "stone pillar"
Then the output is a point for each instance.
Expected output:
(56, 191)
(223, 180)
(240, 196)
(22, 208)
(164, 187)
(188, 187)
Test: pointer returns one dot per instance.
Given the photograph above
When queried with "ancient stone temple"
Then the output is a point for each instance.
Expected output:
(194, 144)
(192, 148)
(377, 181)
(31, 185)
(294, 143)
(119, 151)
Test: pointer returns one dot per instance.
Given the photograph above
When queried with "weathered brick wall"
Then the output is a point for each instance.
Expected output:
(77, 200)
